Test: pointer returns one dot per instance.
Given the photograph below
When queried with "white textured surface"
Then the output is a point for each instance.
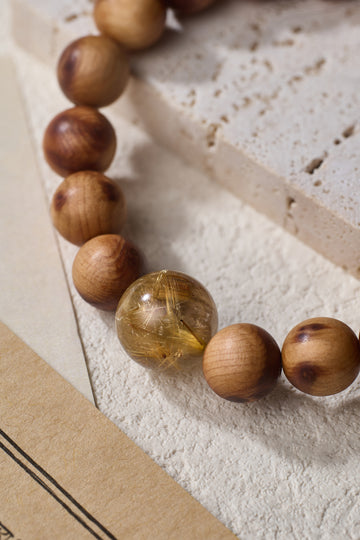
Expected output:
(283, 468)
(253, 93)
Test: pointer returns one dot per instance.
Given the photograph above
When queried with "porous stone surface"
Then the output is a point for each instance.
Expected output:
(262, 96)
(283, 468)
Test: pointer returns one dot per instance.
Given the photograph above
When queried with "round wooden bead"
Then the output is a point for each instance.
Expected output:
(188, 7)
(242, 363)
(79, 139)
(93, 70)
(87, 204)
(104, 268)
(321, 356)
(136, 24)
(165, 319)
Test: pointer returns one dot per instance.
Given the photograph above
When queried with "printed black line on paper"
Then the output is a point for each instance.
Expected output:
(64, 498)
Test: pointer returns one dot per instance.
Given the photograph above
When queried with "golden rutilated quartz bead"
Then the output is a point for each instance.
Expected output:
(165, 319)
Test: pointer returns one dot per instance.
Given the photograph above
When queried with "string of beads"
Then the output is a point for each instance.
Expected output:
(164, 319)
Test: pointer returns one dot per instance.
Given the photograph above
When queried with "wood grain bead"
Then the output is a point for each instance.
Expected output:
(104, 268)
(87, 204)
(136, 24)
(321, 356)
(188, 7)
(242, 363)
(93, 71)
(79, 139)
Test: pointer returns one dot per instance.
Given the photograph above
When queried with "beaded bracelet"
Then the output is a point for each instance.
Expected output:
(164, 319)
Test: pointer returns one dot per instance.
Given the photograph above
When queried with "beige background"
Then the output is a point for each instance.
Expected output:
(34, 292)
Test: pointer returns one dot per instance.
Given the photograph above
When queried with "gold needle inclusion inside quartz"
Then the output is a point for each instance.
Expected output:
(166, 319)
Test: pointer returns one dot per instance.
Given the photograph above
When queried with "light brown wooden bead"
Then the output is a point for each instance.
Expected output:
(321, 356)
(188, 7)
(87, 204)
(136, 24)
(93, 71)
(242, 363)
(79, 139)
(104, 268)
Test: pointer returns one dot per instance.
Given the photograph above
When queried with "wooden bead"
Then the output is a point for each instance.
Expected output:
(93, 70)
(242, 363)
(136, 24)
(188, 7)
(87, 204)
(79, 139)
(104, 268)
(321, 356)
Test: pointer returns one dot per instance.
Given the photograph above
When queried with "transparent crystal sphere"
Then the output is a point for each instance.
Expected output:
(166, 319)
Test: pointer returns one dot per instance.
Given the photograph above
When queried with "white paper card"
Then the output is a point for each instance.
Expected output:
(34, 297)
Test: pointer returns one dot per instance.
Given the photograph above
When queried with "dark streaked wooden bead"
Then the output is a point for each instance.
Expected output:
(104, 268)
(188, 7)
(79, 139)
(93, 71)
(321, 356)
(135, 24)
(87, 204)
(242, 363)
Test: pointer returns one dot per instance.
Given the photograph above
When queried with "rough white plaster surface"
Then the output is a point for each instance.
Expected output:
(283, 468)
(256, 94)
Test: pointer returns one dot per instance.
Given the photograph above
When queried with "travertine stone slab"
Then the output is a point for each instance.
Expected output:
(261, 96)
